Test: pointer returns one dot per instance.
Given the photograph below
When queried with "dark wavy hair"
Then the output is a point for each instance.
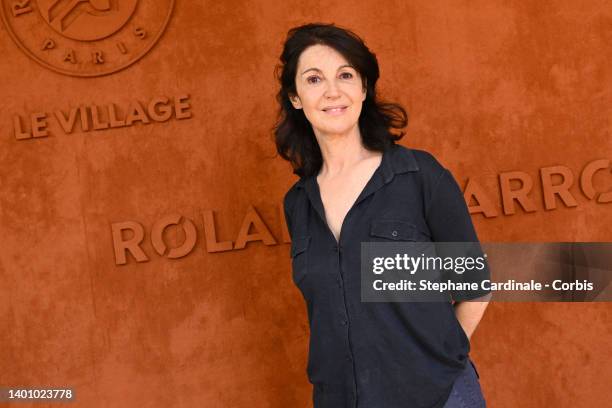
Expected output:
(295, 140)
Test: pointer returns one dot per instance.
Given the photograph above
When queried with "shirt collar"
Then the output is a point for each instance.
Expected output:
(395, 160)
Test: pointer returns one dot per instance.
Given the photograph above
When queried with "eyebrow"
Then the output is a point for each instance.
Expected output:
(317, 69)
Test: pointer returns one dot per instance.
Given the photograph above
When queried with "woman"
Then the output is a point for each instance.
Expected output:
(357, 185)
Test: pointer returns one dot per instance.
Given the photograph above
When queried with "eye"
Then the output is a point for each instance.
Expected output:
(347, 73)
(313, 78)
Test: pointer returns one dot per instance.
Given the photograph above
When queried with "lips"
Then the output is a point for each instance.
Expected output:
(335, 110)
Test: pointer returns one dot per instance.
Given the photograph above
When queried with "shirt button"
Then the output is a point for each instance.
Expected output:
(394, 233)
(348, 358)
(343, 322)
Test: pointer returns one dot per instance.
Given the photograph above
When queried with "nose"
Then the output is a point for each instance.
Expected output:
(332, 90)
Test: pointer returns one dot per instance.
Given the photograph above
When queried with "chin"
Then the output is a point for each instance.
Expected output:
(340, 127)
(336, 129)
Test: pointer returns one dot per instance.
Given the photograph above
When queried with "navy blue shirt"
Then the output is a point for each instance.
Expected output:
(379, 354)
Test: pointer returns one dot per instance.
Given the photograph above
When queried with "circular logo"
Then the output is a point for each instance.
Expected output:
(86, 37)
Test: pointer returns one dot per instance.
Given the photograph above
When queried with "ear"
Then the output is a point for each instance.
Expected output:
(295, 101)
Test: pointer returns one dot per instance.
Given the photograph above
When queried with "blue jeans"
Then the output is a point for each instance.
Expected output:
(466, 391)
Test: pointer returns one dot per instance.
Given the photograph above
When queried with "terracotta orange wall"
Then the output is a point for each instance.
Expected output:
(491, 87)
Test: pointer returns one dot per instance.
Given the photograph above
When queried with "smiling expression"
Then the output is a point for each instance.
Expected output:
(329, 90)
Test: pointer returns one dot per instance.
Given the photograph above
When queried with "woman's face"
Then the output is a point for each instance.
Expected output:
(324, 80)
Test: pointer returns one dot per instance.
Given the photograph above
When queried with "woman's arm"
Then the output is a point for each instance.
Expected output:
(449, 221)
(470, 313)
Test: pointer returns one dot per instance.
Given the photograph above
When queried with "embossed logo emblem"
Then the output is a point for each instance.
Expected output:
(86, 37)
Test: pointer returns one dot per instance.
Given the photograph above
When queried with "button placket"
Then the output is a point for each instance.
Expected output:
(344, 319)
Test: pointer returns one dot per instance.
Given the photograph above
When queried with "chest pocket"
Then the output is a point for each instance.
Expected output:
(396, 230)
(299, 258)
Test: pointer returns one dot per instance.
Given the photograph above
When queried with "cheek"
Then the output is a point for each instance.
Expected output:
(309, 105)
(311, 113)
(357, 108)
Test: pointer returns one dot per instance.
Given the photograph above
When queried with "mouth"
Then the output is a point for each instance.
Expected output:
(335, 111)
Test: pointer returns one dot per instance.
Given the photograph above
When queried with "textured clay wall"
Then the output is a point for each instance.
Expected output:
(153, 123)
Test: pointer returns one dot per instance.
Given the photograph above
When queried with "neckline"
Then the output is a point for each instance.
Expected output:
(360, 196)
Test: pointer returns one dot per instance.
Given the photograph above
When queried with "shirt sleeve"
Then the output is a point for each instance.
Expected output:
(449, 220)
